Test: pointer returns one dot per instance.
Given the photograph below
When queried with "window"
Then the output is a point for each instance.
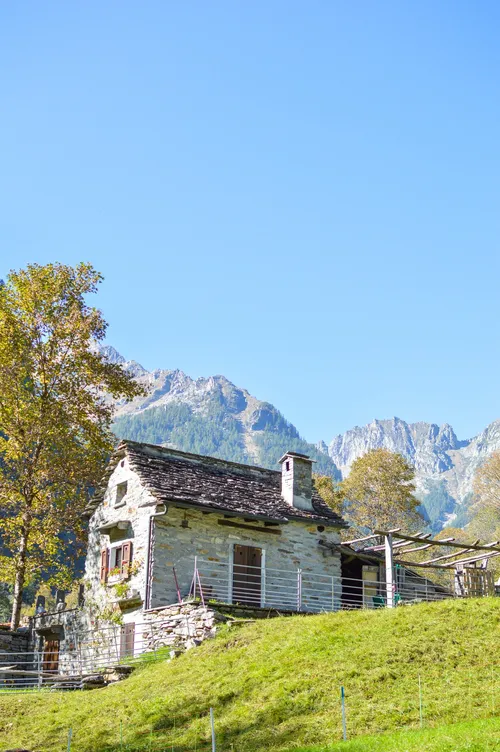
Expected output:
(121, 492)
(287, 465)
(115, 561)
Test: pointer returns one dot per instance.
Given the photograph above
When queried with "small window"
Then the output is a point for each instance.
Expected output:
(120, 559)
(121, 492)
(116, 560)
(287, 465)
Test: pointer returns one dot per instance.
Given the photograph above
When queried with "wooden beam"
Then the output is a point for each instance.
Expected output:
(468, 560)
(399, 545)
(267, 530)
(359, 540)
(453, 544)
(418, 548)
(413, 564)
(421, 548)
(448, 556)
(389, 572)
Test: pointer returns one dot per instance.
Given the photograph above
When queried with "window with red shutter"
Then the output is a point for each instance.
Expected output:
(104, 564)
(126, 558)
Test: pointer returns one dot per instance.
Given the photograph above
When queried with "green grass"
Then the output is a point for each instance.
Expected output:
(274, 685)
(472, 736)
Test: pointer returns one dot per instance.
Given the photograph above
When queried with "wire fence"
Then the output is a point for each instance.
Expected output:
(91, 658)
(423, 702)
(63, 656)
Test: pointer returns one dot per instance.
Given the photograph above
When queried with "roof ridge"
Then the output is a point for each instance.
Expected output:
(178, 452)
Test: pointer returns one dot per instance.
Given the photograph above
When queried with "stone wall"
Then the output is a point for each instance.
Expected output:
(13, 642)
(76, 635)
(14, 647)
(181, 626)
(183, 534)
(133, 515)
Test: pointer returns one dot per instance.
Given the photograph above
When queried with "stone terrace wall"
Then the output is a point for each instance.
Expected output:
(13, 642)
(179, 627)
(14, 647)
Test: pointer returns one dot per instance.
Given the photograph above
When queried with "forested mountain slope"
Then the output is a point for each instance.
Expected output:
(213, 416)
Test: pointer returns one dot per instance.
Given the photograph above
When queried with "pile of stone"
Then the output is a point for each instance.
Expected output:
(180, 627)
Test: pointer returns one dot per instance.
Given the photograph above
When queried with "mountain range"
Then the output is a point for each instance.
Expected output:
(213, 416)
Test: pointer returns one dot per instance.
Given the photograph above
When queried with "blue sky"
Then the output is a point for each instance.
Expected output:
(302, 196)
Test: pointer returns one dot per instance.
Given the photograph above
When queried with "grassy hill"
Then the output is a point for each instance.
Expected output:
(469, 736)
(274, 685)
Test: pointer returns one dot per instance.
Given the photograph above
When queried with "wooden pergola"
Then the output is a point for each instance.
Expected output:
(397, 545)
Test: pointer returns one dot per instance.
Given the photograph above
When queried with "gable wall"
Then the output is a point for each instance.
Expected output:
(182, 534)
(139, 505)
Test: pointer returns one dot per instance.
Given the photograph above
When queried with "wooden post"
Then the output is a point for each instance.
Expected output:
(263, 579)
(389, 571)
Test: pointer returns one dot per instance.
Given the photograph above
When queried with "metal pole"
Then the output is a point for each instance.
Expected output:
(213, 729)
(389, 571)
(299, 589)
(70, 734)
(201, 589)
(179, 598)
(195, 576)
(39, 667)
(420, 701)
(342, 702)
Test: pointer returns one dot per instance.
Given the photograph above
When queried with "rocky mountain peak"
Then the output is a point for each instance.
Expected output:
(425, 445)
(211, 415)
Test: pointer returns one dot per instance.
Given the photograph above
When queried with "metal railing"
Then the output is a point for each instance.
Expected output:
(303, 591)
(83, 656)
(75, 663)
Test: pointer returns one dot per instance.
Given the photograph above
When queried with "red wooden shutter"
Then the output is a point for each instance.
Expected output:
(104, 564)
(126, 558)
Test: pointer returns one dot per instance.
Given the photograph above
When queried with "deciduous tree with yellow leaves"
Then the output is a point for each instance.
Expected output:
(54, 419)
(379, 492)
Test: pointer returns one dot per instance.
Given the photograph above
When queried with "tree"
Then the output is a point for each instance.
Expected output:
(487, 485)
(379, 492)
(485, 509)
(330, 492)
(54, 417)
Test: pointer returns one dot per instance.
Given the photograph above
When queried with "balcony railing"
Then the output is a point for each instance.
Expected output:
(303, 591)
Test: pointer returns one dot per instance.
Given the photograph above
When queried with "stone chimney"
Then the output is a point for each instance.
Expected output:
(296, 480)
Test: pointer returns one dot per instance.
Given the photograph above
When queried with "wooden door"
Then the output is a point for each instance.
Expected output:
(127, 638)
(247, 575)
(50, 663)
(370, 584)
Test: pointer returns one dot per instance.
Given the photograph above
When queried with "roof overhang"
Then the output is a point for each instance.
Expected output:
(119, 524)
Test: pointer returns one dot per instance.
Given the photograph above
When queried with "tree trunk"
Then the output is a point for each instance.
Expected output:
(19, 580)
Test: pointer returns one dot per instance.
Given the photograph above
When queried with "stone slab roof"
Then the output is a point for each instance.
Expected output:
(213, 484)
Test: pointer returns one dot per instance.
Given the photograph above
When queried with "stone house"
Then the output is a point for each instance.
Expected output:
(166, 524)
(167, 527)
